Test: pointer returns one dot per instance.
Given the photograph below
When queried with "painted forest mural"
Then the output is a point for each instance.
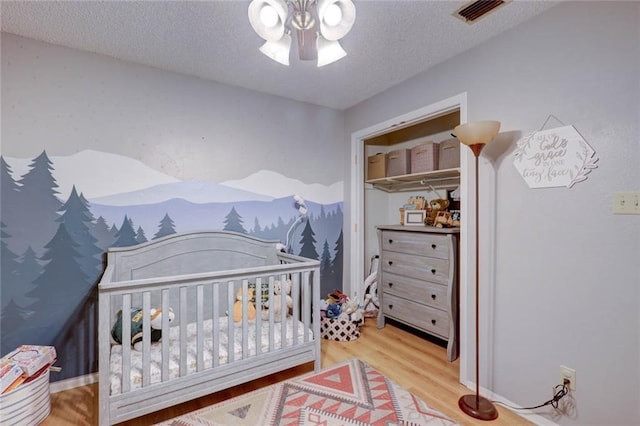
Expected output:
(53, 241)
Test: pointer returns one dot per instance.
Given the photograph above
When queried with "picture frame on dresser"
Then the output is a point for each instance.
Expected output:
(414, 217)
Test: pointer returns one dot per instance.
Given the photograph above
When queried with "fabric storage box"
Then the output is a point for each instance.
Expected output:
(424, 157)
(339, 329)
(449, 154)
(376, 166)
(399, 162)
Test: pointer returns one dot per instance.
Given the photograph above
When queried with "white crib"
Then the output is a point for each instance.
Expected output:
(203, 350)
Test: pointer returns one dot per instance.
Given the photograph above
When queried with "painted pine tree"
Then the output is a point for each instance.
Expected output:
(35, 211)
(233, 222)
(126, 236)
(308, 242)
(8, 269)
(167, 227)
(78, 221)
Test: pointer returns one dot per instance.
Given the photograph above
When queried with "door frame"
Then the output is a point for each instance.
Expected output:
(467, 229)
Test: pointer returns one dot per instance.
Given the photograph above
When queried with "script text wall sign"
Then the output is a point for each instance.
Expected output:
(554, 157)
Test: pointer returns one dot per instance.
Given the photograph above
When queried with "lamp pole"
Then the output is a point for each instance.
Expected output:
(475, 405)
(476, 136)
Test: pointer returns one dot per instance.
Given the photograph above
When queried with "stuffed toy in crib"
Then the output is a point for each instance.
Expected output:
(136, 326)
(276, 303)
(237, 306)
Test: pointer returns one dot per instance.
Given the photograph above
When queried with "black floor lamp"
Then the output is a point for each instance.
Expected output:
(476, 135)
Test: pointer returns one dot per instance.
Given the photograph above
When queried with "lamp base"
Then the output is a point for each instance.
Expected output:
(478, 407)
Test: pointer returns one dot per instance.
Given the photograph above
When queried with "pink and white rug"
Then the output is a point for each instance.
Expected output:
(350, 393)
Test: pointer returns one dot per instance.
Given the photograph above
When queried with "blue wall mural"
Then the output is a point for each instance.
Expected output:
(53, 239)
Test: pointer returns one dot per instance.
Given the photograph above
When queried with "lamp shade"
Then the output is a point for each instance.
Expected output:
(478, 132)
(278, 50)
(267, 17)
(328, 51)
(336, 18)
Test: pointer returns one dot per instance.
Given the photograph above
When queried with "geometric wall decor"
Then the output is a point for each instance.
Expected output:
(554, 157)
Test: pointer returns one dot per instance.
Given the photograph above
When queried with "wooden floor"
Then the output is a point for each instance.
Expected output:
(408, 359)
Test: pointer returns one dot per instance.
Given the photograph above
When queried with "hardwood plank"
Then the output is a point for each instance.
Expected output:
(408, 359)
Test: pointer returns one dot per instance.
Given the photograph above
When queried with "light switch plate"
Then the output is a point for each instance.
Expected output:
(626, 203)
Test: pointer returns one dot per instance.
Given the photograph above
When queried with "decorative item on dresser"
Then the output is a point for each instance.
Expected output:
(418, 280)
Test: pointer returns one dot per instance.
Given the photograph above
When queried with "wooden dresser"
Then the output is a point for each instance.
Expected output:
(418, 280)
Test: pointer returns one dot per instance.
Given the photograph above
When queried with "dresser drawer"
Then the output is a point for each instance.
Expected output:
(434, 295)
(419, 267)
(420, 316)
(430, 245)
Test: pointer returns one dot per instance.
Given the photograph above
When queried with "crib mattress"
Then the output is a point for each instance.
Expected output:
(191, 350)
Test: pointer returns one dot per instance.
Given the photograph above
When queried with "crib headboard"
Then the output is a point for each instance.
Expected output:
(191, 253)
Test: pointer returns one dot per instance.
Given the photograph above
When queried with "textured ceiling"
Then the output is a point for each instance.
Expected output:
(390, 42)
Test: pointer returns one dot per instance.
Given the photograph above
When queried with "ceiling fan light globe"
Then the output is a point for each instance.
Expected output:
(329, 28)
(268, 16)
(332, 15)
(261, 16)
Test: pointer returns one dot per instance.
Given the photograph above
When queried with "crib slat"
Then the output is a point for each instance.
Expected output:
(183, 331)
(165, 335)
(199, 326)
(316, 314)
(230, 340)
(271, 315)
(283, 311)
(245, 319)
(126, 343)
(307, 302)
(146, 339)
(258, 315)
(215, 299)
(295, 295)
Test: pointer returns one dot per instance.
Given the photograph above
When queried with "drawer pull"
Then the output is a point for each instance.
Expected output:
(390, 284)
(390, 263)
(433, 246)
(433, 271)
(390, 306)
(433, 296)
(390, 241)
(433, 322)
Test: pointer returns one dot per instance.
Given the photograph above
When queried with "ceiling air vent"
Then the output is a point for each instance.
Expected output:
(475, 10)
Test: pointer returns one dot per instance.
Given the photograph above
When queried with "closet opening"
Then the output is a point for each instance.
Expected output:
(375, 203)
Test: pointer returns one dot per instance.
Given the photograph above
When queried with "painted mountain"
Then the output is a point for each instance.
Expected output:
(60, 214)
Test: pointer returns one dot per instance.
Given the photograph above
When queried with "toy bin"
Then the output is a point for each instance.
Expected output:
(339, 329)
(28, 404)
(449, 154)
(424, 157)
(399, 162)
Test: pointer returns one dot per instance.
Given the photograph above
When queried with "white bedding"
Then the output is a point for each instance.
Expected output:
(174, 350)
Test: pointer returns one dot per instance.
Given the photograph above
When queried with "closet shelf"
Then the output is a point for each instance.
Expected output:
(439, 179)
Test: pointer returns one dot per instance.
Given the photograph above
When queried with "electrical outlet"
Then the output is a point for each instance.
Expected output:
(569, 374)
(626, 203)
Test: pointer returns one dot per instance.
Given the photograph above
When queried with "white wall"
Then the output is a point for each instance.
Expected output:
(65, 101)
(560, 274)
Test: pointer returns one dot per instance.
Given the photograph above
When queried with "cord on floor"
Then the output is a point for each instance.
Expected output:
(559, 392)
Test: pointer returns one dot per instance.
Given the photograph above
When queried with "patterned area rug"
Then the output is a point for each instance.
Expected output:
(350, 393)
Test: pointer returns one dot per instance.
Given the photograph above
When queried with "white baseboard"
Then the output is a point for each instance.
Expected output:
(74, 382)
(536, 419)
